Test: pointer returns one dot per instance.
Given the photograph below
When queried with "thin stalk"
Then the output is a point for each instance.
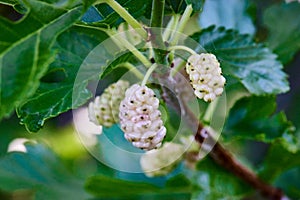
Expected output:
(128, 33)
(148, 74)
(184, 48)
(179, 47)
(211, 110)
(182, 23)
(120, 41)
(171, 27)
(151, 52)
(127, 17)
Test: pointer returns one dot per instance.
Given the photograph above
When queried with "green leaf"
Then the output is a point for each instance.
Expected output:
(10, 129)
(270, 168)
(217, 183)
(19, 6)
(253, 118)
(105, 187)
(109, 18)
(9, 2)
(178, 6)
(230, 14)
(115, 65)
(289, 182)
(25, 49)
(42, 172)
(58, 91)
(91, 15)
(196, 4)
(284, 41)
(252, 64)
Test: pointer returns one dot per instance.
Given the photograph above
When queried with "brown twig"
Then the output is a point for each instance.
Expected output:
(224, 158)
(218, 153)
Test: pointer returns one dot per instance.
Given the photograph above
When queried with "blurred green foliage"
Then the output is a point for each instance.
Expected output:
(57, 166)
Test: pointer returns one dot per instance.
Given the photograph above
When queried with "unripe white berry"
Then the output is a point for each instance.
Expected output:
(140, 118)
(104, 110)
(206, 76)
(159, 162)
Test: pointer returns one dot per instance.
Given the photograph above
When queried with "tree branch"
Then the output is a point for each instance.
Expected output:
(224, 158)
(218, 153)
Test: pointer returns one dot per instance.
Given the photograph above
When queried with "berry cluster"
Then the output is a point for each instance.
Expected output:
(205, 75)
(104, 110)
(137, 108)
(140, 118)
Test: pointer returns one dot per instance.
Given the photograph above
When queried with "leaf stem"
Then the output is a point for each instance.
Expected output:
(180, 65)
(149, 72)
(211, 109)
(127, 17)
(120, 41)
(182, 23)
(151, 51)
(181, 47)
(169, 30)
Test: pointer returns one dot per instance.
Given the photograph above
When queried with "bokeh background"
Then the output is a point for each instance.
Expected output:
(60, 136)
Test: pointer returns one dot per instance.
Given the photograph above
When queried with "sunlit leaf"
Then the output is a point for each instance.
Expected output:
(25, 52)
(253, 118)
(230, 14)
(56, 93)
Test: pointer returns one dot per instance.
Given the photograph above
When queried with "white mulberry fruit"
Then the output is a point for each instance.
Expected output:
(104, 110)
(159, 162)
(205, 75)
(140, 118)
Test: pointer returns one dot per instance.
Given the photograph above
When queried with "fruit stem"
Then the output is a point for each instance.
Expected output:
(120, 41)
(181, 47)
(148, 74)
(171, 26)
